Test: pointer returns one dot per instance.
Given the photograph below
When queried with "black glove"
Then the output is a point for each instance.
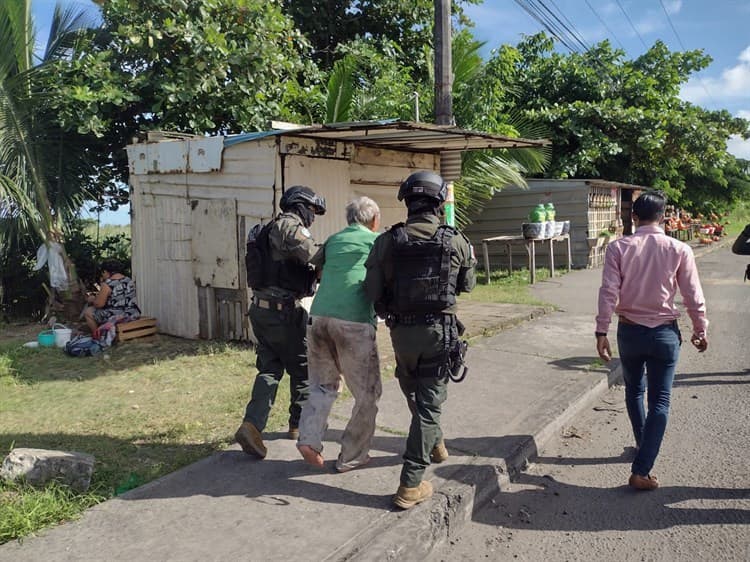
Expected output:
(747, 272)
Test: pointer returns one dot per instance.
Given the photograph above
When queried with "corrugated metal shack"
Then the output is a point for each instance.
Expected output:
(194, 199)
(593, 207)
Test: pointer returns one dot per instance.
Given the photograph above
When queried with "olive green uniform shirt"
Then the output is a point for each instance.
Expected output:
(289, 239)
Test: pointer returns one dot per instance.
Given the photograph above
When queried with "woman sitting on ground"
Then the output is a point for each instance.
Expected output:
(115, 300)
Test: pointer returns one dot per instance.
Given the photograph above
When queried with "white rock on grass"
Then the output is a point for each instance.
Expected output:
(39, 466)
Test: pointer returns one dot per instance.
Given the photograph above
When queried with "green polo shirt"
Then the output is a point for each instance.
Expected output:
(343, 257)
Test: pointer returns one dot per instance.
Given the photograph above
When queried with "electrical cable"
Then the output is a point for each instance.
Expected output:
(627, 17)
(604, 23)
(682, 46)
(571, 27)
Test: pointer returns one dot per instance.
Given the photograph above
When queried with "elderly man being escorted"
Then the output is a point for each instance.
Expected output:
(341, 342)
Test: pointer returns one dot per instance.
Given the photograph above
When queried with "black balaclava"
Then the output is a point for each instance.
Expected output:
(303, 212)
(423, 206)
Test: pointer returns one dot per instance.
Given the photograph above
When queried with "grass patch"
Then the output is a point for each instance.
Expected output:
(142, 409)
(24, 510)
(512, 289)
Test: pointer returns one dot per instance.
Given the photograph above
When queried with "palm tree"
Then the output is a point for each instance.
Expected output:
(42, 165)
(485, 172)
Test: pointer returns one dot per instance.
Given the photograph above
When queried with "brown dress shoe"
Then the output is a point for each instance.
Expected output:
(250, 440)
(643, 482)
(293, 433)
(439, 453)
(409, 497)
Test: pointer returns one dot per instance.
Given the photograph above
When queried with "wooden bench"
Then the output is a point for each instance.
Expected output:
(144, 326)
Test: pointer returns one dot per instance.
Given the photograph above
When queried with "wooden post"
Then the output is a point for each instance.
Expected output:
(551, 257)
(486, 253)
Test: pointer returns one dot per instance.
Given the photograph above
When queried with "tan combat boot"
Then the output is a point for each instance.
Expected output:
(250, 440)
(439, 453)
(409, 497)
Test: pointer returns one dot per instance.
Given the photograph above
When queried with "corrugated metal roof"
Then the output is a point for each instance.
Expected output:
(394, 134)
(611, 184)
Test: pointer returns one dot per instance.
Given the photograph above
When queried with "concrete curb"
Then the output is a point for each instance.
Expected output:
(416, 533)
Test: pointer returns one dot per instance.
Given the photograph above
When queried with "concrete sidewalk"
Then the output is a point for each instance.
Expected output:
(525, 383)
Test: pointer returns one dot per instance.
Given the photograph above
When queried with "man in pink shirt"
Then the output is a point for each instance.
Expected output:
(641, 276)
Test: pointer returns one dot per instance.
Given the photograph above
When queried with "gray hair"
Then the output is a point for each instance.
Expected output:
(361, 210)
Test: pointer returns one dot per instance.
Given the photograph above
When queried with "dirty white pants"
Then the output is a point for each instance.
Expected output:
(339, 349)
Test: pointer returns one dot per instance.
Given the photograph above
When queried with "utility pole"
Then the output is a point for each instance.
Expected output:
(450, 162)
(443, 64)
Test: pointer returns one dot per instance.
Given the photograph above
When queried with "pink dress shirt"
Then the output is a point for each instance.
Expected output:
(641, 276)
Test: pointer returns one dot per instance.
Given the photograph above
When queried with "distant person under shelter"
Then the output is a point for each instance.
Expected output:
(115, 301)
(341, 342)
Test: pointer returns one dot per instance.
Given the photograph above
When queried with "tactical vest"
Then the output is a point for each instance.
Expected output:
(423, 282)
(263, 271)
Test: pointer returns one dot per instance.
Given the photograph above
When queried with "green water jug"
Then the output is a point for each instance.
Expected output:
(550, 210)
(538, 214)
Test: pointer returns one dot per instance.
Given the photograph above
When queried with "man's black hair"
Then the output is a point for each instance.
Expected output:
(112, 266)
(650, 206)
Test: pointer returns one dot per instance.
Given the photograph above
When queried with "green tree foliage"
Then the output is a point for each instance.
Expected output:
(215, 66)
(329, 24)
(622, 119)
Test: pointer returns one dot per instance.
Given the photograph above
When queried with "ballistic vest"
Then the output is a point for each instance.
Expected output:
(423, 282)
(263, 271)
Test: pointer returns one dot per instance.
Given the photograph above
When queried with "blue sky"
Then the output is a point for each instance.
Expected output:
(719, 27)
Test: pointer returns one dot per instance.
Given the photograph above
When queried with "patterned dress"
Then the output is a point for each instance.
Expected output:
(121, 304)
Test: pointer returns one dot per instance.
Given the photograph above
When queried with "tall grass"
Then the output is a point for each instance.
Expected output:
(24, 509)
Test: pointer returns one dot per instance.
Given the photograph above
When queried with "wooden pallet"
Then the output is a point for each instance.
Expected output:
(144, 326)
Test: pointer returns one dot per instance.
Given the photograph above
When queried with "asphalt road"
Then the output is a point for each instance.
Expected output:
(573, 503)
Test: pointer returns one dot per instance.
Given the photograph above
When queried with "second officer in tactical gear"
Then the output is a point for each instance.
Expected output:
(414, 272)
(280, 274)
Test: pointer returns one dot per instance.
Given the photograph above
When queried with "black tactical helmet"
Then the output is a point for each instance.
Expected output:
(423, 184)
(304, 195)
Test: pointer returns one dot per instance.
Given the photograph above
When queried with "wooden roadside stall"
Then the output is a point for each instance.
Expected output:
(193, 200)
(598, 211)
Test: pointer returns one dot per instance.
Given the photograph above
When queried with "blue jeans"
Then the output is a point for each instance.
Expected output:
(648, 354)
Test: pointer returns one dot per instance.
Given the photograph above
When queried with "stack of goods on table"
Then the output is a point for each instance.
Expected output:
(542, 223)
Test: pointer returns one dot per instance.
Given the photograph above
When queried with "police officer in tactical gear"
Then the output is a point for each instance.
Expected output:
(278, 320)
(414, 272)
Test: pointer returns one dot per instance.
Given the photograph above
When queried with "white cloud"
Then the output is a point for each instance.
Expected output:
(734, 83)
(673, 7)
(739, 147)
(608, 9)
(652, 22)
